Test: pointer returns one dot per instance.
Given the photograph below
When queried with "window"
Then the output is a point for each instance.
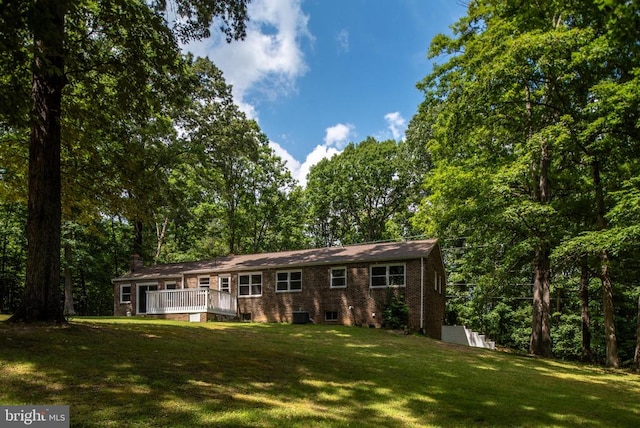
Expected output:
(338, 277)
(224, 283)
(387, 275)
(289, 281)
(437, 282)
(204, 281)
(331, 316)
(250, 284)
(125, 293)
(170, 286)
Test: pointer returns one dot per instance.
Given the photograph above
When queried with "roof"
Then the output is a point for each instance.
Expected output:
(369, 253)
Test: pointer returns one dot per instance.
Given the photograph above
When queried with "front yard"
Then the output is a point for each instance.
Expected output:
(143, 373)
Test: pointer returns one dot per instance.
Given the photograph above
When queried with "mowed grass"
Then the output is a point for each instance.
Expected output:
(144, 373)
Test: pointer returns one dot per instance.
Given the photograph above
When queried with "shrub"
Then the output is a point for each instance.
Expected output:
(395, 315)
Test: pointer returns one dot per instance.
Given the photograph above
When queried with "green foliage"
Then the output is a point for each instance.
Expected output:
(395, 314)
(228, 191)
(363, 194)
(100, 252)
(531, 127)
(12, 255)
(124, 51)
(567, 336)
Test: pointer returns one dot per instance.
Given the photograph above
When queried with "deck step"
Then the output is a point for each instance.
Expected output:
(464, 336)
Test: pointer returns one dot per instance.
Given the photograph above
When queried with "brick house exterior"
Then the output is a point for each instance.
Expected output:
(347, 285)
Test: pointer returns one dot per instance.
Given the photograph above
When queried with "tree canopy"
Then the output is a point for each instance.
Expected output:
(131, 48)
(533, 123)
(522, 159)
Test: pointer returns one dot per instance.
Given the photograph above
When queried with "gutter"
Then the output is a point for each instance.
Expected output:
(145, 278)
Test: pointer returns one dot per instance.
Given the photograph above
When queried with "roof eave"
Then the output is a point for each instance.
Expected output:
(310, 264)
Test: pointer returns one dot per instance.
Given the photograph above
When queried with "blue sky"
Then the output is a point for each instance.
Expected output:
(318, 74)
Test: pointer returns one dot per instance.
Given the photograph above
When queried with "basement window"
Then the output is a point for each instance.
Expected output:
(331, 316)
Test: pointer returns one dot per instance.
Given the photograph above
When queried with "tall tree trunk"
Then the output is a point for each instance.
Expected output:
(68, 281)
(84, 298)
(114, 246)
(605, 276)
(138, 227)
(160, 234)
(41, 300)
(609, 326)
(4, 282)
(584, 312)
(636, 356)
(540, 342)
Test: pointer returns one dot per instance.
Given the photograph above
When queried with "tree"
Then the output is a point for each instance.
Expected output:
(228, 192)
(44, 21)
(533, 107)
(12, 254)
(362, 194)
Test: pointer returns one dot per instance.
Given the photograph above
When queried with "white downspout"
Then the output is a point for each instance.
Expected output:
(422, 294)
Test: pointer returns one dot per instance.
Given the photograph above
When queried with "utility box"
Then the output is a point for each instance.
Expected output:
(301, 317)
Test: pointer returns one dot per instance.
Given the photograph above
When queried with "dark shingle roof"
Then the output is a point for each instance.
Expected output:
(370, 253)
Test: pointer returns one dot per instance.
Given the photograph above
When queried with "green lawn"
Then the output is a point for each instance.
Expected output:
(142, 373)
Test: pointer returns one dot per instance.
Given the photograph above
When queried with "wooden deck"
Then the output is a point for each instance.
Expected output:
(191, 300)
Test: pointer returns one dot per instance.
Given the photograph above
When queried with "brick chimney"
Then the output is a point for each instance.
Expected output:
(135, 263)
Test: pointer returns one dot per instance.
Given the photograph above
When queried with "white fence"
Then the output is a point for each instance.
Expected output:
(191, 300)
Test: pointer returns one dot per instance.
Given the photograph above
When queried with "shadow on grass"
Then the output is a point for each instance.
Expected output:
(144, 373)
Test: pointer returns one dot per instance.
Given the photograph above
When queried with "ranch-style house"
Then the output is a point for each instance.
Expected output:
(347, 285)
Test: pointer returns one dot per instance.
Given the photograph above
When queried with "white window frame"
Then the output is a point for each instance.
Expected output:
(226, 288)
(331, 277)
(173, 283)
(388, 275)
(251, 284)
(122, 293)
(288, 281)
(200, 282)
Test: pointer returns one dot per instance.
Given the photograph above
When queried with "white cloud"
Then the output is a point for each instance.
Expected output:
(343, 41)
(338, 135)
(320, 152)
(300, 170)
(336, 138)
(396, 124)
(269, 59)
(291, 163)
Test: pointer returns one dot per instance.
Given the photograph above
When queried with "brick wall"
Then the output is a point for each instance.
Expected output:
(356, 304)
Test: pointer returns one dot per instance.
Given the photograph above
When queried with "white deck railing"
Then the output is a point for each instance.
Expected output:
(191, 300)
